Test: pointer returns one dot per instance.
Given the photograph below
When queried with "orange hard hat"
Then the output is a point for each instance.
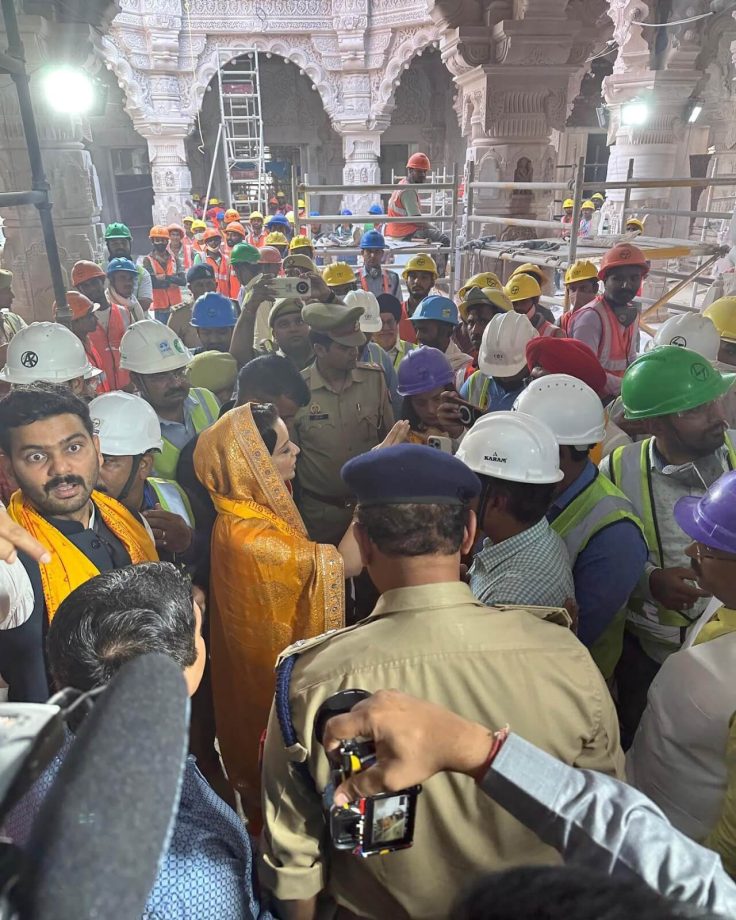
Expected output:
(85, 270)
(176, 228)
(158, 232)
(235, 227)
(212, 234)
(78, 304)
(418, 161)
(623, 254)
(269, 254)
(231, 214)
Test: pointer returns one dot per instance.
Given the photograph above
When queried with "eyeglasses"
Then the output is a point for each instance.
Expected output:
(710, 554)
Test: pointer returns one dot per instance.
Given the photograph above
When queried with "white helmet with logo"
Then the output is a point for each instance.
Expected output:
(47, 352)
(125, 424)
(568, 406)
(690, 330)
(370, 321)
(149, 347)
(513, 446)
(503, 347)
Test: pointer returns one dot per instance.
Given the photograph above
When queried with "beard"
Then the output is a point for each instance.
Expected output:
(50, 499)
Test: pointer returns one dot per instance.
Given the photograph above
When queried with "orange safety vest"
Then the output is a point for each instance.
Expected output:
(257, 241)
(186, 255)
(396, 208)
(222, 273)
(105, 345)
(407, 332)
(165, 298)
(364, 281)
(616, 342)
(235, 285)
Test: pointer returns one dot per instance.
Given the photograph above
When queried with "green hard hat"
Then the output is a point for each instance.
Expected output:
(244, 252)
(670, 379)
(117, 231)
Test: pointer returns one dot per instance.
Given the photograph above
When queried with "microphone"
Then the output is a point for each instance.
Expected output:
(99, 838)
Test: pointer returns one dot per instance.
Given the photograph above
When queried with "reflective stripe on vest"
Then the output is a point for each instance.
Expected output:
(613, 351)
(164, 298)
(222, 274)
(478, 389)
(364, 281)
(203, 415)
(172, 498)
(402, 350)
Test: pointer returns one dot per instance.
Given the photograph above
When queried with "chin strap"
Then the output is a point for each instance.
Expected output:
(131, 478)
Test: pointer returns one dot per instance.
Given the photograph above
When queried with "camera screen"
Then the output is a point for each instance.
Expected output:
(390, 819)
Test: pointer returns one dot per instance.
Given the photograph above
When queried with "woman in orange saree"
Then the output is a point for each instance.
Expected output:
(269, 584)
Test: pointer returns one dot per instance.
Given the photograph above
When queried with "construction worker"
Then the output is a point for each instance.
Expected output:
(689, 330)
(372, 276)
(10, 323)
(157, 361)
(340, 278)
(213, 209)
(214, 318)
(82, 325)
(370, 323)
(279, 223)
(536, 271)
(604, 537)
(50, 353)
(404, 202)
(420, 274)
(477, 309)
(279, 242)
(178, 250)
(722, 313)
(680, 395)
(50, 450)
(388, 336)
(522, 561)
(598, 199)
(610, 324)
(187, 224)
(587, 220)
(231, 216)
(568, 205)
(349, 413)
(634, 225)
(234, 234)
(121, 281)
(118, 240)
(256, 234)
(434, 320)
(89, 279)
(581, 286)
(255, 269)
(348, 235)
(200, 280)
(212, 255)
(296, 265)
(524, 292)
(167, 279)
(130, 436)
(423, 376)
(481, 280)
(243, 268)
(301, 245)
(199, 228)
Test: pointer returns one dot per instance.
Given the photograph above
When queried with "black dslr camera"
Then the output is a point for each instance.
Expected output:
(377, 824)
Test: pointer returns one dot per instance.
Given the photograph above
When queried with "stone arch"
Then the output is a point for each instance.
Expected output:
(399, 58)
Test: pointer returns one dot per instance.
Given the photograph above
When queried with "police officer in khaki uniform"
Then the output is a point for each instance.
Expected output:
(348, 414)
(430, 637)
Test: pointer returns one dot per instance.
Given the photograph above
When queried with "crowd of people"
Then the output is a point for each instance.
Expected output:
(524, 522)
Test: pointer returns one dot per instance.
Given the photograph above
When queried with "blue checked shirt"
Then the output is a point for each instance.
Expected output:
(531, 568)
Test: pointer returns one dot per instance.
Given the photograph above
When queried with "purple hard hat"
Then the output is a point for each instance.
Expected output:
(422, 370)
(711, 519)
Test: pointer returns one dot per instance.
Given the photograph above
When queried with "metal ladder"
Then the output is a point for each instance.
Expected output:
(242, 130)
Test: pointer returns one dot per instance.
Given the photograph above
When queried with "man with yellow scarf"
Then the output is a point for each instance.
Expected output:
(50, 450)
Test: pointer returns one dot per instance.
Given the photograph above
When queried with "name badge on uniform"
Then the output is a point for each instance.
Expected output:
(316, 414)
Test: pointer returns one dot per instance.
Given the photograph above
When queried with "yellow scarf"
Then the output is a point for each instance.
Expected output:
(69, 567)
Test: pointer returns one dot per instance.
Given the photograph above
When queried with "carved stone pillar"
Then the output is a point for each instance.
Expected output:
(361, 150)
(170, 175)
(71, 175)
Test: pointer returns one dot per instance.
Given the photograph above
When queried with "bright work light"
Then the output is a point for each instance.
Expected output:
(68, 90)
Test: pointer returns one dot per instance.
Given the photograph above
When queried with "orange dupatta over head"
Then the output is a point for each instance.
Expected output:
(269, 586)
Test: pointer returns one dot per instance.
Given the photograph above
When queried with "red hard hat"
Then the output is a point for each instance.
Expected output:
(270, 255)
(77, 303)
(235, 227)
(84, 270)
(623, 254)
(212, 234)
(418, 161)
(176, 228)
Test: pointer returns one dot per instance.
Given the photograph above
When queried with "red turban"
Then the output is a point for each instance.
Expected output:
(567, 356)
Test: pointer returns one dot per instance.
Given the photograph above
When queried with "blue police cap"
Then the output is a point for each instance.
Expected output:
(410, 474)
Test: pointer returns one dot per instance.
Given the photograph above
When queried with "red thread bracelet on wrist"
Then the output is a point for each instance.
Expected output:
(499, 738)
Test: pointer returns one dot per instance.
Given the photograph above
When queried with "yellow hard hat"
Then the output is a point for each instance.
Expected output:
(529, 269)
(188, 219)
(581, 270)
(338, 273)
(300, 242)
(214, 201)
(290, 216)
(481, 280)
(722, 313)
(477, 296)
(589, 205)
(598, 195)
(498, 298)
(568, 203)
(420, 263)
(635, 222)
(255, 215)
(521, 287)
(301, 203)
(198, 225)
(276, 239)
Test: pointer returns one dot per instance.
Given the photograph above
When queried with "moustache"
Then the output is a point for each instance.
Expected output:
(63, 481)
(177, 391)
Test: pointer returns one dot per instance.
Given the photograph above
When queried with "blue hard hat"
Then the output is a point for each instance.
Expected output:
(346, 212)
(422, 370)
(121, 265)
(220, 215)
(375, 209)
(314, 214)
(277, 219)
(213, 311)
(438, 308)
(372, 239)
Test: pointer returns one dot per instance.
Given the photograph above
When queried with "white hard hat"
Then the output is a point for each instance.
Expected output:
(125, 424)
(568, 406)
(370, 321)
(149, 347)
(513, 446)
(690, 330)
(503, 347)
(47, 352)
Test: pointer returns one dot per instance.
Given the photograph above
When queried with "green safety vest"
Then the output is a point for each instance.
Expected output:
(631, 470)
(597, 506)
(402, 350)
(203, 415)
(479, 386)
(172, 498)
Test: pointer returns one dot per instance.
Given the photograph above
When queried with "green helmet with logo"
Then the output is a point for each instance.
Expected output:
(117, 231)
(671, 379)
(244, 252)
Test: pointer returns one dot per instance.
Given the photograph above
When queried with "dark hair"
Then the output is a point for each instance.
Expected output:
(25, 405)
(414, 529)
(269, 376)
(527, 502)
(388, 303)
(320, 338)
(265, 417)
(565, 893)
(117, 616)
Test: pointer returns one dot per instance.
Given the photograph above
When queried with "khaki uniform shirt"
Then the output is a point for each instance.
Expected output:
(332, 429)
(179, 321)
(495, 666)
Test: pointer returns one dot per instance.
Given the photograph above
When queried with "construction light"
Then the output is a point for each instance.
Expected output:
(68, 90)
(693, 111)
(635, 113)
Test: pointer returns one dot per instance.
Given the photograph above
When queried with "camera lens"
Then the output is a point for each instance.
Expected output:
(302, 287)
